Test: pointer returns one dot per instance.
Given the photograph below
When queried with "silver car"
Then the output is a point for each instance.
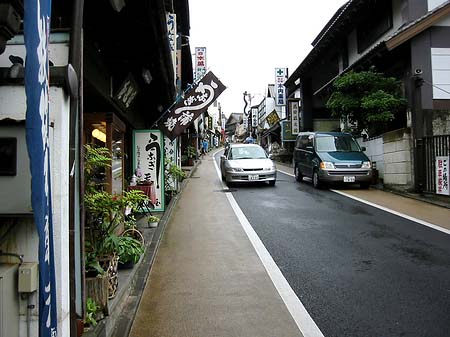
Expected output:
(247, 163)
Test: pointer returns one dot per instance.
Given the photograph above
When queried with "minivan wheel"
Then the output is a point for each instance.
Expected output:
(316, 180)
(298, 174)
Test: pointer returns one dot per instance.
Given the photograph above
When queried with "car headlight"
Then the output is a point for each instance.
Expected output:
(326, 165)
(366, 164)
(236, 169)
(271, 168)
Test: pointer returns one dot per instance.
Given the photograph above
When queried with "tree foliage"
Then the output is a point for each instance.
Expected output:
(366, 99)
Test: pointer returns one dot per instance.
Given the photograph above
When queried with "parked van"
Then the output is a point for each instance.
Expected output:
(331, 157)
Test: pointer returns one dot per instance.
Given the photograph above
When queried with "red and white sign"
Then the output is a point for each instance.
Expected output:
(200, 63)
(442, 179)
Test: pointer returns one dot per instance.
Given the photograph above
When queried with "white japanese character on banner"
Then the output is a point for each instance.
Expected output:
(170, 123)
(185, 118)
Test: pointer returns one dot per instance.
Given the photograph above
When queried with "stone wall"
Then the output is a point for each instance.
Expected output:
(398, 164)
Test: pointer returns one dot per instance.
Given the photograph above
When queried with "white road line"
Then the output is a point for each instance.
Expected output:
(408, 217)
(296, 308)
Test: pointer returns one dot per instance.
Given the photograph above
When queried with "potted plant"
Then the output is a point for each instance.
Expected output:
(173, 175)
(129, 251)
(191, 153)
(105, 216)
(153, 221)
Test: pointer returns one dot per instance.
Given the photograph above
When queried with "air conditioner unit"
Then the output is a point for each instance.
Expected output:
(9, 301)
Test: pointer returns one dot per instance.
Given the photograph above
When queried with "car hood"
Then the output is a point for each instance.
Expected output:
(337, 157)
(251, 163)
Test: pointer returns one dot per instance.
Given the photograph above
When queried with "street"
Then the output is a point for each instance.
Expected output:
(358, 270)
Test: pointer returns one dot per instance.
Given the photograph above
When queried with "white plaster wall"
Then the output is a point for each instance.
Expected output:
(440, 63)
(434, 3)
(59, 143)
(24, 239)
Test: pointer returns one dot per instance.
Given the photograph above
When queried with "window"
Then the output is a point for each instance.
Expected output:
(378, 21)
(336, 144)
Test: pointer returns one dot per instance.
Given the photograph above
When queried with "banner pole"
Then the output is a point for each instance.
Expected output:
(172, 105)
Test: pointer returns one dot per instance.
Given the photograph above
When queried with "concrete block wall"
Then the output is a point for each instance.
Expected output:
(398, 165)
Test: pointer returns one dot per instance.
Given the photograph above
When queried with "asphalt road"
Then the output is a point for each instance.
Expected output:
(359, 271)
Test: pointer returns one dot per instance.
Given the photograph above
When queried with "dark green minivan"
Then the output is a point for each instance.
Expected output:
(331, 157)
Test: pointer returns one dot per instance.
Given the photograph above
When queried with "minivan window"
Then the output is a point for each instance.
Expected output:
(336, 144)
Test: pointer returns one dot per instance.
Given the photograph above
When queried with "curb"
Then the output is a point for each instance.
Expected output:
(431, 199)
(122, 326)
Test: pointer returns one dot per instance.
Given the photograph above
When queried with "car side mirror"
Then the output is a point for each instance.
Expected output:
(363, 148)
(271, 156)
(222, 157)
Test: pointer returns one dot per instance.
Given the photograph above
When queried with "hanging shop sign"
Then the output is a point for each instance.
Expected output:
(280, 90)
(254, 117)
(171, 20)
(148, 164)
(127, 92)
(294, 116)
(195, 102)
(442, 172)
(273, 118)
(200, 63)
(36, 33)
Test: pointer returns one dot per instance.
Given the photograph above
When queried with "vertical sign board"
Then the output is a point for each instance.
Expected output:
(254, 117)
(295, 122)
(37, 15)
(200, 63)
(170, 158)
(280, 89)
(148, 159)
(442, 171)
(171, 20)
(286, 132)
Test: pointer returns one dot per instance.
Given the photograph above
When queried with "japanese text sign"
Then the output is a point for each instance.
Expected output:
(442, 179)
(294, 113)
(280, 89)
(36, 34)
(195, 102)
(200, 63)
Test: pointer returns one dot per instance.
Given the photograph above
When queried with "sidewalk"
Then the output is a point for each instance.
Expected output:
(207, 279)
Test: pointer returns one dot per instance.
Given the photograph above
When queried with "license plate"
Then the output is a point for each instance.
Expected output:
(253, 177)
(349, 179)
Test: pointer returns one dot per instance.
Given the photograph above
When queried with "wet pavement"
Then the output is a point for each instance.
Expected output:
(207, 280)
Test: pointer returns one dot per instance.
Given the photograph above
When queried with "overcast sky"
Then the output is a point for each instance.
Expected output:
(247, 39)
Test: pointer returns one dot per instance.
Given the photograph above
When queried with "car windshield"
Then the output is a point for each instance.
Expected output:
(253, 152)
(336, 144)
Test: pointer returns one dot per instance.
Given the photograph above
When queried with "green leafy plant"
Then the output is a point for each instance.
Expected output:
(367, 99)
(190, 151)
(153, 218)
(129, 249)
(91, 312)
(105, 212)
(173, 174)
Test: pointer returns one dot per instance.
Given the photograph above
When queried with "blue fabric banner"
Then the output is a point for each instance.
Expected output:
(36, 32)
